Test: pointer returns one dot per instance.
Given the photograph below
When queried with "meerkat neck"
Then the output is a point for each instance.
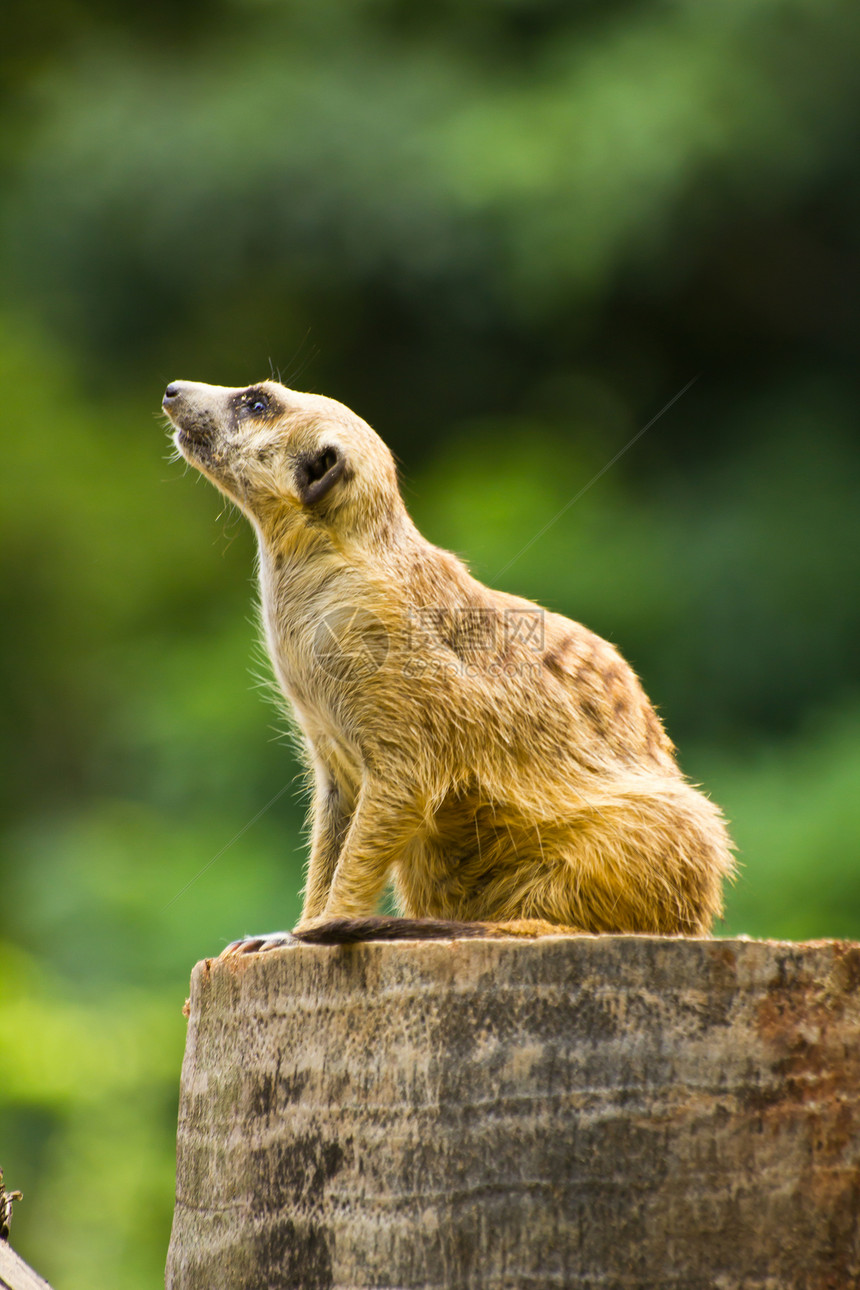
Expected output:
(294, 562)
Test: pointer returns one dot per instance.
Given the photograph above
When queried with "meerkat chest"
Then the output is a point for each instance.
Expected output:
(295, 610)
(316, 701)
(316, 636)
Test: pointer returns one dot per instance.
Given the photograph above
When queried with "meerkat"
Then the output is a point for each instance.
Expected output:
(498, 764)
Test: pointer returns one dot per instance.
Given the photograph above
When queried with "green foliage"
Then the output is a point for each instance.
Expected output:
(508, 234)
(795, 815)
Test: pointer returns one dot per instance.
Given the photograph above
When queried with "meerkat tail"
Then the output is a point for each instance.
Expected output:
(352, 931)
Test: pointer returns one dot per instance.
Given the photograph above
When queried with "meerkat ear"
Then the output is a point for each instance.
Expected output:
(318, 472)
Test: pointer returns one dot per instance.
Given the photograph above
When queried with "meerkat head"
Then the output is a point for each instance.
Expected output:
(290, 461)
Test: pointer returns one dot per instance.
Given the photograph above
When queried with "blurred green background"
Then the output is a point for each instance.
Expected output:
(507, 232)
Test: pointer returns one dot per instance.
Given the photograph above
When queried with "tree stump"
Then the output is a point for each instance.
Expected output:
(612, 1111)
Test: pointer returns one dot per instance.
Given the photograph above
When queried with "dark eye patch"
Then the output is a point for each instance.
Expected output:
(257, 403)
(254, 403)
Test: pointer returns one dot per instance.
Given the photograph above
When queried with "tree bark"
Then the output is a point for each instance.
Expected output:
(613, 1111)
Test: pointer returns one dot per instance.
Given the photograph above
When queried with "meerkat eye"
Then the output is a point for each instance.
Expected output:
(252, 403)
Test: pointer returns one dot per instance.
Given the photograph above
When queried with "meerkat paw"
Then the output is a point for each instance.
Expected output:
(258, 944)
(309, 925)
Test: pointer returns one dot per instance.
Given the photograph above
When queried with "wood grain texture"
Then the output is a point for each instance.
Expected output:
(619, 1111)
(15, 1274)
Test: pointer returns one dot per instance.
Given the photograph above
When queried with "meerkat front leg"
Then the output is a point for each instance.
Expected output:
(331, 817)
(382, 825)
(332, 806)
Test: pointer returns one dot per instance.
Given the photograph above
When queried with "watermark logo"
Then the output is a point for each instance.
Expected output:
(471, 629)
(474, 641)
(525, 627)
(350, 644)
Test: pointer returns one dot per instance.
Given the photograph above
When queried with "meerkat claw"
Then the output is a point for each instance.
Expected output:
(258, 944)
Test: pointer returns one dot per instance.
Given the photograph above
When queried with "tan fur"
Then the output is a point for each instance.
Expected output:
(496, 761)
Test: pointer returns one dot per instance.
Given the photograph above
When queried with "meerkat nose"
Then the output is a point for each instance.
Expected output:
(173, 391)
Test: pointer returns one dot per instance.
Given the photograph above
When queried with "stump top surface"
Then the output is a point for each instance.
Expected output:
(730, 963)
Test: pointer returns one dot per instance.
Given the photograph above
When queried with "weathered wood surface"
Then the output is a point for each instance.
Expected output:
(603, 1112)
(15, 1274)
